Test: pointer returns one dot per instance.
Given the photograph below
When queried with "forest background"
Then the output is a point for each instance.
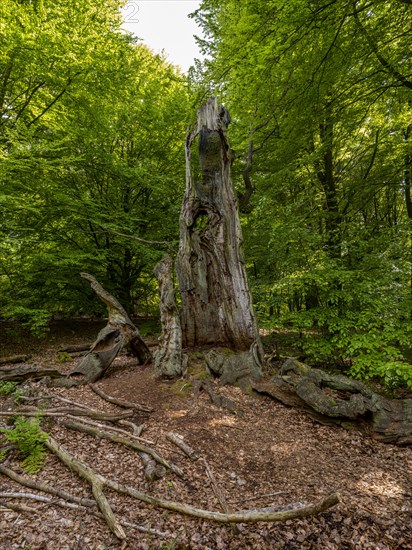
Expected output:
(92, 169)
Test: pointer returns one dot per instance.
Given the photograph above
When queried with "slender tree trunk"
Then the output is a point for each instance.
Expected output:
(216, 302)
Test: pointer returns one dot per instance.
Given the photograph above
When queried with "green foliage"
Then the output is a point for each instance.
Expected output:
(7, 388)
(29, 440)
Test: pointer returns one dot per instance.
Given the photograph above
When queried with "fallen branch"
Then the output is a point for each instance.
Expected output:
(17, 507)
(91, 430)
(119, 402)
(246, 516)
(137, 430)
(45, 487)
(86, 420)
(78, 502)
(108, 417)
(177, 440)
(96, 481)
(14, 359)
(24, 372)
(76, 349)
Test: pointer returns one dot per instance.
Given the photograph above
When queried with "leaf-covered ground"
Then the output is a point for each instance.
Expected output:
(267, 455)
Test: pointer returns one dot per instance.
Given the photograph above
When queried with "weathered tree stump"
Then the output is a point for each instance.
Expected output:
(119, 333)
(169, 360)
(216, 305)
(338, 400)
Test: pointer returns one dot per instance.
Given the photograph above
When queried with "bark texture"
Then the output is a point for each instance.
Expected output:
(216, 303)
(119, 333)
(169, 360)
(338, 400)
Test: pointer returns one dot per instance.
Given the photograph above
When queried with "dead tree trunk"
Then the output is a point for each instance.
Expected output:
(216, 302)
(119, 333)
(169, 359)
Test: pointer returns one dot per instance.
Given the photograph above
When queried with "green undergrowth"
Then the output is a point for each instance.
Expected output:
(28, 438)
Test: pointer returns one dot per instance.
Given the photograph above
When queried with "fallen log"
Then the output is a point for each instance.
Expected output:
(99, 482)
(338, 400)
(24, 372)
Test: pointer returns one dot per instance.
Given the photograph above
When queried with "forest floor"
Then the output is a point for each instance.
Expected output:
(265, 455)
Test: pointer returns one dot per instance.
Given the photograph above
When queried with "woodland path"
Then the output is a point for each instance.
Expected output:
(266, 455)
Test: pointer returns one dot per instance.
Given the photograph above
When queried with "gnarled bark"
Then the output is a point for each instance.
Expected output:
(169, 360)
(336, 399)
(216, 303)
(119, 333)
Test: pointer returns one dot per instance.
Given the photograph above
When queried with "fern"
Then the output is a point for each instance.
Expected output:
(29, 440)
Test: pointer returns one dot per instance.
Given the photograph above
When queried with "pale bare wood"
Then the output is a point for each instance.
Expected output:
(177, 440)
(119, 402)
(110, 428)
(44, 487)
(73, 501)
(91, 430)
(96, 481)
(41, 498)
(17, 507)
(137, 430)
(74, 412)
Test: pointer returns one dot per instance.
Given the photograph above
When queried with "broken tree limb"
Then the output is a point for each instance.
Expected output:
(75, 348)
(74, 412)
(137, 430)
(152, 470)
(96, 481)
(91, 430)
(119, 402)
(119, 333)
(169, 359)
(245, 516)
(24, 372)
(14, 359)
(18, 507)
(110, 428)
(178, 440)
(44, 487)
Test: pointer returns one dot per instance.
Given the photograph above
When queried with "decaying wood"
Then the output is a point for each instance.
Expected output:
(216, 301)
(96, 481)
(45, 487)
(216, 399)
(75, 348)
(41, 498)
(137, 430)
(18, 507)
(338, 400)
(236, 368)
(14, 359)
(110, 428)
(119, 402)
(245, 516)
(169, 360)
(24, 372)
(152, 470)
(178, 440)
(91, 430)
(119, 333)
(108, 417)
(72, 500)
